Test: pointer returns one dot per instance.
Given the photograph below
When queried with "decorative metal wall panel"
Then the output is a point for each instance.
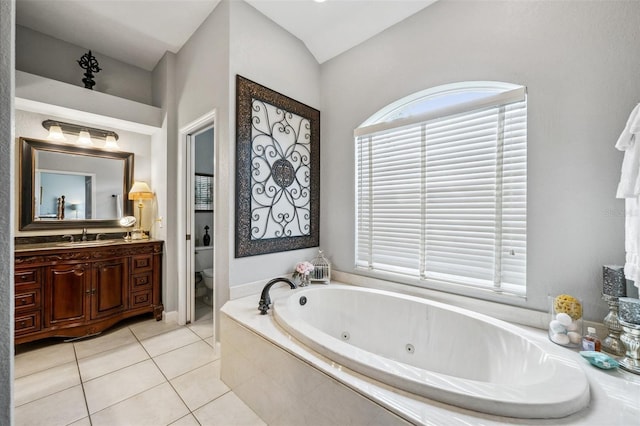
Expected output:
(277, 172)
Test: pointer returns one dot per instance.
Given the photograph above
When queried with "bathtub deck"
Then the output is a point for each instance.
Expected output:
(615, 395)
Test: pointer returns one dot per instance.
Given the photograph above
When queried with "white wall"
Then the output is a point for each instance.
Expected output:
(40, 54)
(580, 63)
(267, 54)
(165, 229)
(236, 39)
(7, 52)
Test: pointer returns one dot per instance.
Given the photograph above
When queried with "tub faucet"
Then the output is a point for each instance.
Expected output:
(84, 234)
(265, 300)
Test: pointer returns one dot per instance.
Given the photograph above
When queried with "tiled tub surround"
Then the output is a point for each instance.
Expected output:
(283, 379)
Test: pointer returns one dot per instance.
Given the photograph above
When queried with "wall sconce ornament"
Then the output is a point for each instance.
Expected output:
(277, 172)
(89, 63)
(57, 129)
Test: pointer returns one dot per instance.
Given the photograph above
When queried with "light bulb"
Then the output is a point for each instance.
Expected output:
(84, 138)
(55, 133)
(111, 143)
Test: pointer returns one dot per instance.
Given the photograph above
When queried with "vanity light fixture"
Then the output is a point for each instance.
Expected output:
(57, 129)
(140, 191)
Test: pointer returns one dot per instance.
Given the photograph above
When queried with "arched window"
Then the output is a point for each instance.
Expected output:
(441, 187)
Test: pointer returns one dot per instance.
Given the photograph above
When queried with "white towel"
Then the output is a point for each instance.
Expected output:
(629, 189)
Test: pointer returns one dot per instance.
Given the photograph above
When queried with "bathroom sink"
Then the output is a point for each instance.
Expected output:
(94, 243)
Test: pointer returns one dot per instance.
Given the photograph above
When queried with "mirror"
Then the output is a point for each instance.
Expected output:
(65, 186)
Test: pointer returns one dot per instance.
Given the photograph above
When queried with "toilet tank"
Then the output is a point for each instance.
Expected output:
(203, 258)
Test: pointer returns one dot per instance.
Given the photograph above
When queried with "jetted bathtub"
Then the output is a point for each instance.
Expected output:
(435, 350)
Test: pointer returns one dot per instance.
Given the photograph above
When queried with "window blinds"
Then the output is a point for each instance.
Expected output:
(444, 198)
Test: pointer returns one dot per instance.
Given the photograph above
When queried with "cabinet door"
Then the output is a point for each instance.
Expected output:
(67, 293)
(109, 290)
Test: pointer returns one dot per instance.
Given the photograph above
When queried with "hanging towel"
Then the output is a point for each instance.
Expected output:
(629, 189)
(629, 185)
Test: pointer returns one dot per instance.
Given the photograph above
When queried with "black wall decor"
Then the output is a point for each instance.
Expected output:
(277, 171)
(89, 63)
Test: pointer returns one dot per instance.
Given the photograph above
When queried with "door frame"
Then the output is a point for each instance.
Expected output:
(186, 296)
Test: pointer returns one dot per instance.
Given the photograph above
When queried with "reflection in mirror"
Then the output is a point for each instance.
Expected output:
(67, 186)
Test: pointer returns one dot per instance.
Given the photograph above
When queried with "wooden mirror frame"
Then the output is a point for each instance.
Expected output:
(27, 174)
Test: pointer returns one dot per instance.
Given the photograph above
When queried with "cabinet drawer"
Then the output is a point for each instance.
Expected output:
(140, 281)
(27, 300)
(141, 263)
(28, 277)
(140, 299)
(27, 323)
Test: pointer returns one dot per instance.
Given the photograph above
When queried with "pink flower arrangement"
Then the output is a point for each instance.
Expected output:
(303, 269)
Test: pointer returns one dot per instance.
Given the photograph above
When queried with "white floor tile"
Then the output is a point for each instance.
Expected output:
(61, 408)
(44, 383)
(32, 361)
(199, 386)
(203, 329)
(122, 384)
(227, 410)
(82, 422)
(187, 420)
(169, 341)
(151, 327)
(104, 342)
(106, 362)
(160, 405)
(185, 359)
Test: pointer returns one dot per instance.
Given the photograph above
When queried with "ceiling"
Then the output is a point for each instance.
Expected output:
(139, 32)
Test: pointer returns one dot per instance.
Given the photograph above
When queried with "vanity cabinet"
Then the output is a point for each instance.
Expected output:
(79, 291)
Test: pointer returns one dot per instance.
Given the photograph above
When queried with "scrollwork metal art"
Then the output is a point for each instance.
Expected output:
(278, 172)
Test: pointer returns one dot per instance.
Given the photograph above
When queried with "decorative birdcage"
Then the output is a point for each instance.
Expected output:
(321, 269)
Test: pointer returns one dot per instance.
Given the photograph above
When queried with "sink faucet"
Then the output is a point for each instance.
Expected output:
(99, 236)
(265, 300)
(69, 236)
(84, 234)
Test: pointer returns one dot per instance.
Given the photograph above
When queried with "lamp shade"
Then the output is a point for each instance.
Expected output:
(84, 138)
(111, 143)
(55, 133)
(140, 191)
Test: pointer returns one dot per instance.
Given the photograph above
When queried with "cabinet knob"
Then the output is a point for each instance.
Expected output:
(23, 301)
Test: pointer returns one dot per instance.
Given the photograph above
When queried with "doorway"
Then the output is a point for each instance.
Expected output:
(196, 223)
(202, 230)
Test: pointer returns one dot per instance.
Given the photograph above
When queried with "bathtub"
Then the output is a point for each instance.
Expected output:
(435, 351)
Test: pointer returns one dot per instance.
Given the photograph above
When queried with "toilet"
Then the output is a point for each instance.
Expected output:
(204, 267)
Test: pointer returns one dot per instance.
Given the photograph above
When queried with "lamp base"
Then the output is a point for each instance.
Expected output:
(138, 234)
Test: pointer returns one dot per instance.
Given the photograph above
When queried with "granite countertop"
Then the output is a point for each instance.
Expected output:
(61, 245)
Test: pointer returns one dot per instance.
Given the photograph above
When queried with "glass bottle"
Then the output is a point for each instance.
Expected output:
(591, 342)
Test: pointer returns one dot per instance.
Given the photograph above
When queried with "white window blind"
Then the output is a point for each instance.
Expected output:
(443, 197)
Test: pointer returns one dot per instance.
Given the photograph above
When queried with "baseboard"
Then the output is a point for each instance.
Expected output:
(170, 317)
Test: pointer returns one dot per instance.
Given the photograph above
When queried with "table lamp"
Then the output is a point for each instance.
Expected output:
(140, 191)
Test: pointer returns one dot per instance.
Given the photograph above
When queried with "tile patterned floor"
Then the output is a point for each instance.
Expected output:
(143, 372)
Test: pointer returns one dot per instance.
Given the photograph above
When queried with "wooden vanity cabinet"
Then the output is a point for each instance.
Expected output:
(74, 292)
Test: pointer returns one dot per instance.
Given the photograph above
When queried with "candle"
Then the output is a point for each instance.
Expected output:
(613, 281)
(629, 310)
